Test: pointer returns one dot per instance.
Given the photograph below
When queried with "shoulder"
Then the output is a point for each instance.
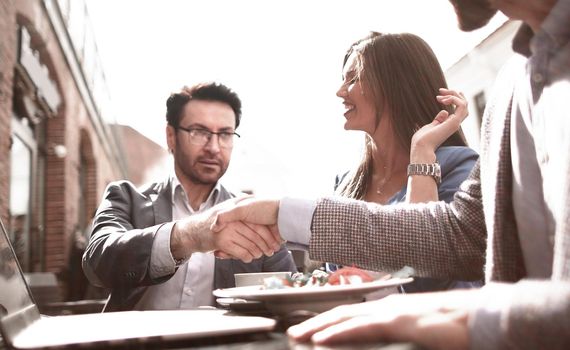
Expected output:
(128, 188)
(454, 159)
(121, 186)
(456, 164)
(453, 156)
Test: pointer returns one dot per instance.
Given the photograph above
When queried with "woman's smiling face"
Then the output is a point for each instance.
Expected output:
(360, 111)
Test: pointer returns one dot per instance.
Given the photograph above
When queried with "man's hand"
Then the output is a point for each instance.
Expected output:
(251, 211)
(258, 214)
(236, 239)
(433, 320)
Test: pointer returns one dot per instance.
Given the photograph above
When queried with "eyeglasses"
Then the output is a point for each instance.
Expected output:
(200, 136)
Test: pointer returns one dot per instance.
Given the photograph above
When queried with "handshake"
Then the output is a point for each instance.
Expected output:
(240, 228)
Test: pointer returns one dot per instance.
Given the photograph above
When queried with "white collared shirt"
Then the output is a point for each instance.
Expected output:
(192, 284)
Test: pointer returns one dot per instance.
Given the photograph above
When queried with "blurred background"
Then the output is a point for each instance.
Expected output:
(83, 86)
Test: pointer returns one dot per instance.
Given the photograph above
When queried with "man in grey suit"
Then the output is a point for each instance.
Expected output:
(152, 247)
(510, 220)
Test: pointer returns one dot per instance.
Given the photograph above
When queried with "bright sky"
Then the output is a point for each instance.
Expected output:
(283, 58)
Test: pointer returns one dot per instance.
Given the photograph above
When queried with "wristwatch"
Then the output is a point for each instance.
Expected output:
(433, 170)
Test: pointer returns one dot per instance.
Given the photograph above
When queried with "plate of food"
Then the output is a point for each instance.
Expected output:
(317, 292)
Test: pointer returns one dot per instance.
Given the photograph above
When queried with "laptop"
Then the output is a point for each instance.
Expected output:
(22, 326)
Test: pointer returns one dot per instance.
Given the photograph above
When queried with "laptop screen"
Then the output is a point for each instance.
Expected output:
(14, 294)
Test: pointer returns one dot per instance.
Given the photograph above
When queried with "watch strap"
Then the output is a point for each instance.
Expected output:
(426, 169)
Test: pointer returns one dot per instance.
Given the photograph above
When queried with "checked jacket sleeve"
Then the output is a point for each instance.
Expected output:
(437, 239)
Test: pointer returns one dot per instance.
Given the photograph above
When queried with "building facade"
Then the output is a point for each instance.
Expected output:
(147, 161)
(57, 149)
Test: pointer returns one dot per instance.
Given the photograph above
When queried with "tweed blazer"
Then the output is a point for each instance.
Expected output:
(118, 254)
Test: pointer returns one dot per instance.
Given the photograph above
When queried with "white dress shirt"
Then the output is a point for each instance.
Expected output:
(192, 284)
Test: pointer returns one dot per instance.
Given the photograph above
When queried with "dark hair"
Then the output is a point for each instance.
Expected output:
(402, 73)
(204, 92)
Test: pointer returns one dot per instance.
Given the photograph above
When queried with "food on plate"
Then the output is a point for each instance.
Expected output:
(342, 276)
(349, 275)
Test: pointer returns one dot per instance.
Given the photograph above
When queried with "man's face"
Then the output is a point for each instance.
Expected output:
(202, 164)
(473, 14)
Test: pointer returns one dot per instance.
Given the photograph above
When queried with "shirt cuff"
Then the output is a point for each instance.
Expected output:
(294, 221)
(161, 261)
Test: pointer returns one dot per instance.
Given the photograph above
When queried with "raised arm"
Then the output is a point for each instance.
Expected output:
(422, 189)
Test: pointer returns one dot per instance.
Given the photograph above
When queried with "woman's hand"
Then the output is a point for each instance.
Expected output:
(427, 139)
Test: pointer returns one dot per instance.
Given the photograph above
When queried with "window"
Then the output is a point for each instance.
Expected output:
(22, 225)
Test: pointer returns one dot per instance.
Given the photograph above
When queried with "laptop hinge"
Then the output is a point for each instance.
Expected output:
(15, 322)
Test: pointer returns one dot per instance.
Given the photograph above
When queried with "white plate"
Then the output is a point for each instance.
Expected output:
(315, 299)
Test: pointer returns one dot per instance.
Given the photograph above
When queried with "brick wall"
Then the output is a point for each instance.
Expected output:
(57, 193)
(70, 126)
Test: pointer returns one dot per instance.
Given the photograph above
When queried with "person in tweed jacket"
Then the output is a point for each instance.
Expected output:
(510, 221)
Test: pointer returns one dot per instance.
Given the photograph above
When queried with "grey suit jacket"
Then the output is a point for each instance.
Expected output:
(118, 254)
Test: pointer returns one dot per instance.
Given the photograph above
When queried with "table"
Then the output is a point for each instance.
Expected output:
(277, 340)
(280, 341)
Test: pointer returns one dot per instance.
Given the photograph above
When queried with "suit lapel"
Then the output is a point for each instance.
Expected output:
(162, 202)
(504, 257)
